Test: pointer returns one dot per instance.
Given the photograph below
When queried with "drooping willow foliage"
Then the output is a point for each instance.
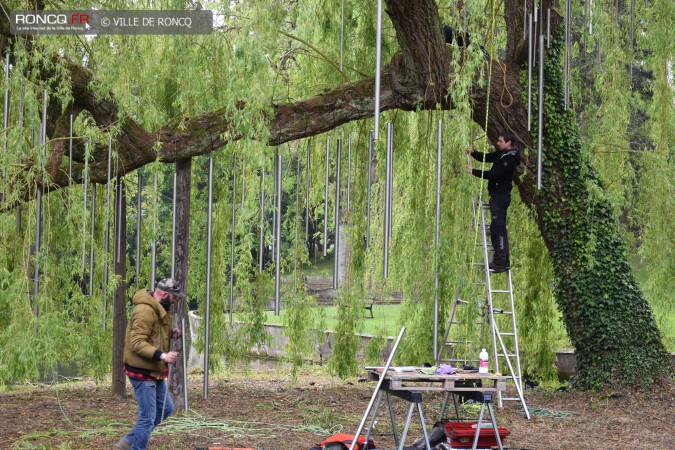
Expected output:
(271, 52)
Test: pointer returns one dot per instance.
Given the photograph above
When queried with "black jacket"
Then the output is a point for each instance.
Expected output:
(500, 175)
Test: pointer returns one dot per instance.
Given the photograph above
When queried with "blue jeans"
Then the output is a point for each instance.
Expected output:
(150, 398)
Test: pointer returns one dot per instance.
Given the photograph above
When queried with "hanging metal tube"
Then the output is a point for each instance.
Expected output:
(369, 177)
(297, 210)
(325, 202)
(5, 122)
(85, 186)
(438, 228)
(207, 318)
(540, 124)
(277, 249)
(153, 262)
(336, 260)
(274, 201)
(349, 171)
(307, 192)
(261, 246)
(524, 20)
(184, 354)
(568, 22)
(234, 197)
(139, 214)
(529, 74)
(386, 202)
(548, 28)
(18, 207)
(391, 180)
(378, 61)
(173, 224)
(243, 181)
(107, 233)
(91, 245)
(342, 36)
(118, 225)
(590, 16)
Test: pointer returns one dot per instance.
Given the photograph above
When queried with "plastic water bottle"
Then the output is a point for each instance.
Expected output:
(483, 363)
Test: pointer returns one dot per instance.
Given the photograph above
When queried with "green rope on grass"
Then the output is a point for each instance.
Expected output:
(238, 428)
(550, 413)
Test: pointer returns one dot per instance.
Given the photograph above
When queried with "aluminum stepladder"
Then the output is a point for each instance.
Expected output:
(499, 305)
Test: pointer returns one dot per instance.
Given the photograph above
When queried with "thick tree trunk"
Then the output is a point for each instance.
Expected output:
(181, 246)
(120, 295)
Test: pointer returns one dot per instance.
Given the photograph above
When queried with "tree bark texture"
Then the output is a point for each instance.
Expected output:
(418, 77)
(119, 307)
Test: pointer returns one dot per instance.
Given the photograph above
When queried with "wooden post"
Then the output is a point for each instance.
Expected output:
(181, 245)
(120, 295)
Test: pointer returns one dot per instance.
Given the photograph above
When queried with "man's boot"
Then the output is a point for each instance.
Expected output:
(122, 444)
(499, 258)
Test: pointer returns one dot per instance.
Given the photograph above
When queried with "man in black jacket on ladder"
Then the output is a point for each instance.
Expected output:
(504, 161)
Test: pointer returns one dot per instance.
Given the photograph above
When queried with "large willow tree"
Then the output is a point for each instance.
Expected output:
(270, 73)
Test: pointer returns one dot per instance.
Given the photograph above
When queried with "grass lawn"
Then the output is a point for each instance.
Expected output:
(385, 321)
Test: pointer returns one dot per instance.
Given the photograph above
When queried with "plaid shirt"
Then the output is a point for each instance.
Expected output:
(142, 374)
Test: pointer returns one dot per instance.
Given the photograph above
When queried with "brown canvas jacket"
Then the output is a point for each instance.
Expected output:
(148, 334)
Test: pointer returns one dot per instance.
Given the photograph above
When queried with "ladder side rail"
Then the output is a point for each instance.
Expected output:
(488, 292)
(508, 362)
(516, 349)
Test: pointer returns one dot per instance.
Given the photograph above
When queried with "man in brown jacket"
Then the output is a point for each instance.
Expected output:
(146, 355)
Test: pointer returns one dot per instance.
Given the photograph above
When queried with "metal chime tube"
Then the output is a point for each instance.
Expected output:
(438, 229)
(243, 181)
(590, 16)
(277, 248)
(325, 202)
(349, 171)
(529, 74)
(632, 36)
(534, 30)
(234, 211)
(274, 201)
(209, 229)
(261, 247)
(297, 210)
(307, 192)
(369, 176)
(386, 203)
(153, 262)
(540, 125)
(85, 177)
(568, 7)
(5, 122)
(336, 261)
(91, 246)
(391, 178)
(173, 224)
(342, 36)
(139, 213)
(378, 61)
(524, 20)
(18, 208)
(548, 28)
(38, 219)
(118, 225)
(107, 233)
(184, 354)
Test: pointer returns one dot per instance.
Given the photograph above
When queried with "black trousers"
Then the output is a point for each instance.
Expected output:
(499, 204)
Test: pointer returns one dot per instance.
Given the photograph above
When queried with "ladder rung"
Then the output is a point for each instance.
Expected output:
(509, 355)
(507, 334)
(500, 291)
(501, 311)
(510, 399)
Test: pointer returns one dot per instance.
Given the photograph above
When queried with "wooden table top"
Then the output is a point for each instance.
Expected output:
(416, 380)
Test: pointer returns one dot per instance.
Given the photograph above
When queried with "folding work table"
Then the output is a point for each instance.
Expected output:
(410, 385)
